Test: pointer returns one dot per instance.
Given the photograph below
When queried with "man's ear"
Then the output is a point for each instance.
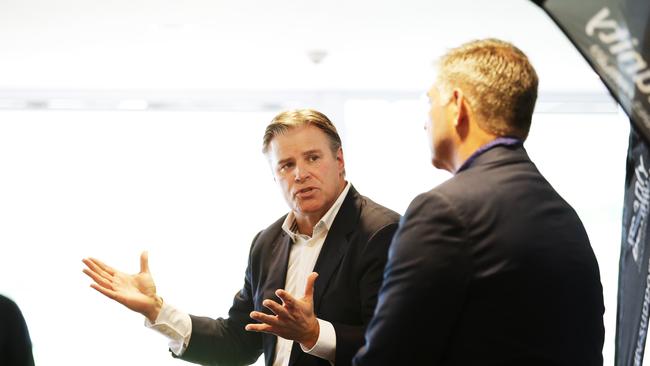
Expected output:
(339, 158)
(461, 109)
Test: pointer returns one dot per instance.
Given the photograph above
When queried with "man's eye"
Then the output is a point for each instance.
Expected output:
(286, 166)
(313, 158)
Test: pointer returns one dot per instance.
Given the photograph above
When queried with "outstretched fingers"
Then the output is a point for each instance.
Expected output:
(287, 299)
(259, 328)
(276, 308)
(270, 320)
(92, 266)
(103, 282)
(105, 267)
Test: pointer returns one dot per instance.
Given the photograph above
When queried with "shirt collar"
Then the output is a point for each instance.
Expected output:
(499, 141)
(290, 226)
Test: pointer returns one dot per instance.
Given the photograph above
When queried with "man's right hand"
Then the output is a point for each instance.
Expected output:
(137, 292)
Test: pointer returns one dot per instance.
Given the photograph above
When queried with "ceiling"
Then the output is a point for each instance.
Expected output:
(199, 46)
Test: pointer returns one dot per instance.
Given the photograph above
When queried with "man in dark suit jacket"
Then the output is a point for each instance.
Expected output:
(350, 267)
(492, 267)
(331, 232)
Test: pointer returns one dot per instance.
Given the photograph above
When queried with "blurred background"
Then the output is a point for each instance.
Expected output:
(133, 125)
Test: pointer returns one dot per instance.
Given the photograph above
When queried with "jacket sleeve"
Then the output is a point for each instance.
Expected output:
(225, 341)
(349, 338)
(424, 288)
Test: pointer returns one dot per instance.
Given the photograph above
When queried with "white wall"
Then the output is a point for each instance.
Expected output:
(193, 188)
(584, 157)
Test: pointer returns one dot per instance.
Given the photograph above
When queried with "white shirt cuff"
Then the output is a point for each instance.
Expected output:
(175, 325)
(325, 346)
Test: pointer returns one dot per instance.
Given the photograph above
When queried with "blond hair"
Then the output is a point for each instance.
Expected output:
(498, 81)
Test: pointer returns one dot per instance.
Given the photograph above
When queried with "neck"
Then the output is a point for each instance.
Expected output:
(306, 224)
(469, 146)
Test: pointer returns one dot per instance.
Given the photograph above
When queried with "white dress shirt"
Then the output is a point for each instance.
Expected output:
(177, 325)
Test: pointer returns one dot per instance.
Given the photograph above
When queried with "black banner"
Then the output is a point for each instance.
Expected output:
(614, 37)
(634, 279)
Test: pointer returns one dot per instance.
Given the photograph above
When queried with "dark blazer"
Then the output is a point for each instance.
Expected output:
(15, 344)
(492, 267)
(350, 267)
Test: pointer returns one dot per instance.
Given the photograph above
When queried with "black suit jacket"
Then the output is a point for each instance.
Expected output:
(15, 344)
(492, 267)
(350, 267)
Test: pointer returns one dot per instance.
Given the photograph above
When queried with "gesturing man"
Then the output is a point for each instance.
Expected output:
(312, 277)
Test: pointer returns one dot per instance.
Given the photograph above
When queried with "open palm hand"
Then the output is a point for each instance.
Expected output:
(137, 291)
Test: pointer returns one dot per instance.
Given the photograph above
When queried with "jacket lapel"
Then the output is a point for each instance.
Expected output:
(279, 261)
(276, 279)
(335, 245)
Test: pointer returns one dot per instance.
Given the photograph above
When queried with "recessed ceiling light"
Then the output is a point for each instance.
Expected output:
(317, 55)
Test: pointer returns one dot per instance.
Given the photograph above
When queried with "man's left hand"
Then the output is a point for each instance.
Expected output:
(294, 319)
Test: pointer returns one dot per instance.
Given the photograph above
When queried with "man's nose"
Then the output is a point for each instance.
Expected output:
(301, 173)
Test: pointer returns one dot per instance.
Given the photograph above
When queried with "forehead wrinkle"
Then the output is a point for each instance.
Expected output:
(312, 151)
(304, 154)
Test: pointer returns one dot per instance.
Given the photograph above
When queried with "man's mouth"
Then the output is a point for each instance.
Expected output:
(304, 192)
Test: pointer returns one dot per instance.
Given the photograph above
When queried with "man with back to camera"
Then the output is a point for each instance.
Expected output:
(492, 267)
(331, 229)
